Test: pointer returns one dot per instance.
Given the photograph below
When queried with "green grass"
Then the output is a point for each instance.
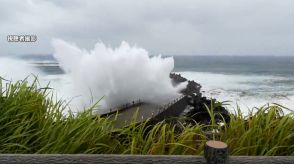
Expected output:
(32, 121)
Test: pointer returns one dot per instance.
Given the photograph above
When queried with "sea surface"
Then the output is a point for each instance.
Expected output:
(249, 81)
(246, 81)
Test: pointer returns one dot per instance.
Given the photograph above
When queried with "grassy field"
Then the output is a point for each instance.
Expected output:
(32, 121)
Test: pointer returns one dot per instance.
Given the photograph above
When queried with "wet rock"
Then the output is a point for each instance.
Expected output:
(191, 88)
(199, 104)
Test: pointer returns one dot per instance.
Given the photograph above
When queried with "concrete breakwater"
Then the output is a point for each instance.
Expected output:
(198, 104)
(191, 88)
(191, 100)
(122, 108)
(144, 111)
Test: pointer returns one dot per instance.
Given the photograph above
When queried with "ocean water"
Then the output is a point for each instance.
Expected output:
(249, 81)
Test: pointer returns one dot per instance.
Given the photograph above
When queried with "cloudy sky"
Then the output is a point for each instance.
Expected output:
(169, 27)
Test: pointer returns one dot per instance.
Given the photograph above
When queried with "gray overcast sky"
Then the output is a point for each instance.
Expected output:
(169, 27)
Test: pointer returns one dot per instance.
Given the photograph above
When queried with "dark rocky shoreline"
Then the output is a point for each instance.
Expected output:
(198, 104)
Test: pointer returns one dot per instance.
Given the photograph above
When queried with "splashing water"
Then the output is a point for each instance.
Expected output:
(13, 69)
(121, 74)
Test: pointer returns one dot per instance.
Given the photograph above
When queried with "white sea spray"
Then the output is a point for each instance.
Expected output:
(121, 74)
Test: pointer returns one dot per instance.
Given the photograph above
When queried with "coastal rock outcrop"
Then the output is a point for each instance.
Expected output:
(191, 88)
(198, 104)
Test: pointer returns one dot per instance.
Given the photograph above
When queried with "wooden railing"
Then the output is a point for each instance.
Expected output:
(133, 159)
(215, 152)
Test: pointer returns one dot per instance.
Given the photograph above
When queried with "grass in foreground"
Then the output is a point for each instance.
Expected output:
(31, 121)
